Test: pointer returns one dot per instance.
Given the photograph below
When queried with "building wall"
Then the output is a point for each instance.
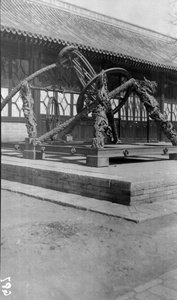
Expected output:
(13, 132)
(132, 122)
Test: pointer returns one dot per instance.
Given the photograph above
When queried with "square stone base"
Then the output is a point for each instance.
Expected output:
(95, 161)
(33, 154)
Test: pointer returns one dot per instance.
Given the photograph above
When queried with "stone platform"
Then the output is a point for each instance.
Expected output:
(99, 157)
(138, 179)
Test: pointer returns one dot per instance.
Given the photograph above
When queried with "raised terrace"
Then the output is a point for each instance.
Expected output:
(127, 180)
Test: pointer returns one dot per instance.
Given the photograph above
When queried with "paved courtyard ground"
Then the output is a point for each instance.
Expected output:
(55, 252)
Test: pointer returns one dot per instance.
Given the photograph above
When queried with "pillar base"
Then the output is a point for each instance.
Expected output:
(95, 161)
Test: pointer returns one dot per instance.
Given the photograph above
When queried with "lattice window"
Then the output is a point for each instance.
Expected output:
(4, 72)
(17, 105)
(130, 108)
(123, 112)
(75, 98)
(13, 71)
(44, 99)
(20, 70)
(4, 93)
(174, 112)
(4, 83)
(114, 104)
(167, 110)
(137, 109)
(64, 101)
(144, 113)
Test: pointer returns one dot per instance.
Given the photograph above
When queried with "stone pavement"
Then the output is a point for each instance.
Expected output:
(136, 213)
(162, 288)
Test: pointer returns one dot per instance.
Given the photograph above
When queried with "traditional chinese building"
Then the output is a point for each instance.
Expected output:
(32, 34)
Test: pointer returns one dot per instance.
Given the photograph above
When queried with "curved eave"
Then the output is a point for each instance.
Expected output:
(38, 38)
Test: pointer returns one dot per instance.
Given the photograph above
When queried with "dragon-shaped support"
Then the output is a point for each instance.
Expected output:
(145, 91)
(28, 104)
(101, 126)
(104, 122)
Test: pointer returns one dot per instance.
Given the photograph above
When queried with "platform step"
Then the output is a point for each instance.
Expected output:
(100, 186)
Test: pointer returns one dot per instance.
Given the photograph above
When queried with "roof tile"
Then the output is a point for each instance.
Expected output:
(54, 24)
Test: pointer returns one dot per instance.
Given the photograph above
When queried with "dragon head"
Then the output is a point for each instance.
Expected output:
(149, 86)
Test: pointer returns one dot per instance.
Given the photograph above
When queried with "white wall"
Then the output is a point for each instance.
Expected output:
(11, 132)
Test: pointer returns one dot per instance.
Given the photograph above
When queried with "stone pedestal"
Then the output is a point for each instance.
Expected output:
(30, 151)
(33, 154)
(97, 161)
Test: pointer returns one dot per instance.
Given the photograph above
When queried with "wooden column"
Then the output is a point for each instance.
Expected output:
(161, 100)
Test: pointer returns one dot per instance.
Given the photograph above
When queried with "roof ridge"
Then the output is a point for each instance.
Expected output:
(102, 18)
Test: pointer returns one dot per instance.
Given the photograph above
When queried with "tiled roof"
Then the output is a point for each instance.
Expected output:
(54, 24)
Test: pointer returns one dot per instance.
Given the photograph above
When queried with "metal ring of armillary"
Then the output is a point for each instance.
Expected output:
(92, 84)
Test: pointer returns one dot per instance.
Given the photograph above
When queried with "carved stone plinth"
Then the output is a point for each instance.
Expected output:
(97, 161)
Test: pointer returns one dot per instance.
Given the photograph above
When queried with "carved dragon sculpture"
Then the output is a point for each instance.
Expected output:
(145, 91)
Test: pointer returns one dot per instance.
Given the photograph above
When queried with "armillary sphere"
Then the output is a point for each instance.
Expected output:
(71, 58)
(96, 93)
